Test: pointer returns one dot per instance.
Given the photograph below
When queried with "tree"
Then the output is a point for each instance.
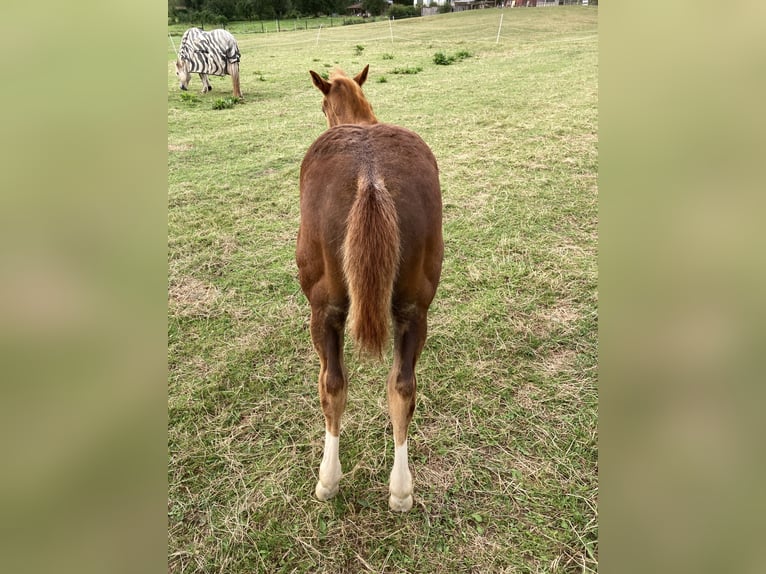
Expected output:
(222, 8)
(281, 7)
(245, 9)
(202, 17)
(314, 7)
(375, 7)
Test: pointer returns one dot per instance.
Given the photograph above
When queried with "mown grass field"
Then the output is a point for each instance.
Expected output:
(503, 445)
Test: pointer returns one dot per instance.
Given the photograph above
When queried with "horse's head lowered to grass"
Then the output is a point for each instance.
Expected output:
(183, 73)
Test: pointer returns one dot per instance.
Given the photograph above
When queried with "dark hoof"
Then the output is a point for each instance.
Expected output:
(183, 88)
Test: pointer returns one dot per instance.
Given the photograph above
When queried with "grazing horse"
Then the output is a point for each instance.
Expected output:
(369, 248)
(215, 52)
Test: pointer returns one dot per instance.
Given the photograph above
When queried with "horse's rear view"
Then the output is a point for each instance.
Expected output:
(370, 249)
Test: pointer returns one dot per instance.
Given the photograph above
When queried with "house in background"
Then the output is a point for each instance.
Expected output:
(357, 10)
(460, 5)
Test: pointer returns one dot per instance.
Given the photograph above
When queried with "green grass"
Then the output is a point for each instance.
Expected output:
(503, 444)
(271, 26)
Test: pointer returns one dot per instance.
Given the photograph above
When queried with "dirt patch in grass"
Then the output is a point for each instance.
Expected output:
(190, 297)
(558, 362)
(527, 397)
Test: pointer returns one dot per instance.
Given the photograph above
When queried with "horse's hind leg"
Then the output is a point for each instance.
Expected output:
(410, 335)
(327, 323)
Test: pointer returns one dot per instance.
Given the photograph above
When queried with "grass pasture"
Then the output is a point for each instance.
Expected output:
(503, 445)
(272, 26)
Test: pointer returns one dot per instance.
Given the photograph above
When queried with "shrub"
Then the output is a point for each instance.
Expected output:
(397, 11)
(442, 59)
(189, 98)
(407, 70)
(225, 103)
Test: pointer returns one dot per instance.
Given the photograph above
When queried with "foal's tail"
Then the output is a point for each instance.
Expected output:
(371, 262)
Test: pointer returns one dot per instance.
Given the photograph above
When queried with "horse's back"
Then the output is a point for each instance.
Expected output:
(398, 156)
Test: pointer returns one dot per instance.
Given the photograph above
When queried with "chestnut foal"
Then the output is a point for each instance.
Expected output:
(370, 248)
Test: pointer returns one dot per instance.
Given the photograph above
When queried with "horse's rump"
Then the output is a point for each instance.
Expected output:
(370, 194)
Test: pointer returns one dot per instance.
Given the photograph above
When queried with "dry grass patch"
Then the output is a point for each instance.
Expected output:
(191, 297)
(559, 362)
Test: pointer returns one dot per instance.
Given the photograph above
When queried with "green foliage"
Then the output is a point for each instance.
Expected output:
(225, 103)
(224, 12)
(387, 56)
(375, 7)
(358, 49)
(189, 98)
(382, 80)
(398, 11)
(442, 59)
(407, 70)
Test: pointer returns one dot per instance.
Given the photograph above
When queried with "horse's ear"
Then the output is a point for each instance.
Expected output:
(321, 84)
(362, 76)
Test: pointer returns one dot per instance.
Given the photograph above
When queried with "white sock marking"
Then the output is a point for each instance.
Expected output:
(329, 469)
(400, 484)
